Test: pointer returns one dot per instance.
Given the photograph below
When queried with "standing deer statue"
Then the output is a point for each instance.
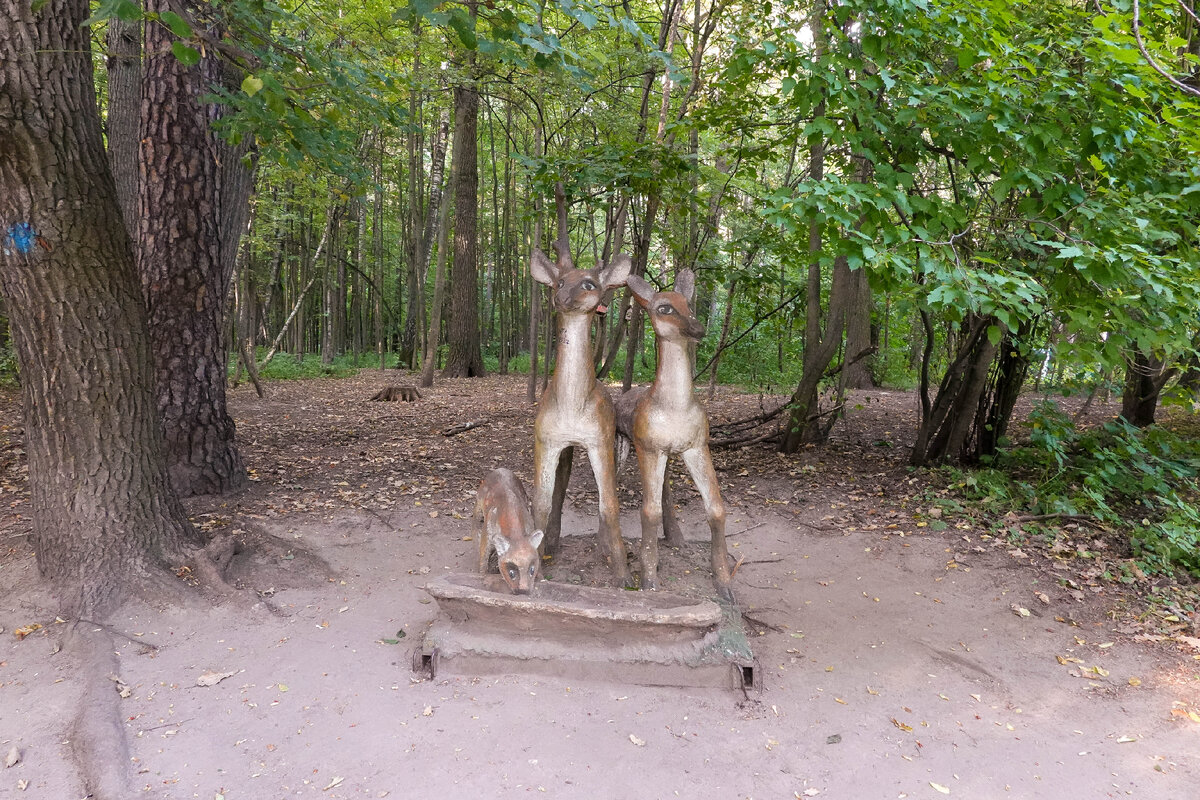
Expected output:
(667, 420)
(575, 409)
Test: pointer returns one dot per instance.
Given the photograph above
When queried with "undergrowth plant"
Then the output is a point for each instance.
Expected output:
(1140, 483)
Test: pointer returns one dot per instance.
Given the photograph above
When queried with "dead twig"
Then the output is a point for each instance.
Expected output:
(746, 530)
(756, 621)
(150, 646)
(1084, 518)
(463, 427)
(742, 441)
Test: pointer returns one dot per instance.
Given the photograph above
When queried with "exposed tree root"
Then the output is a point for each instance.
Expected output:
(97, 739)
(211, 565)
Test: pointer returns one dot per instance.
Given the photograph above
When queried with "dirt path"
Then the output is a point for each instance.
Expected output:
(892, 661)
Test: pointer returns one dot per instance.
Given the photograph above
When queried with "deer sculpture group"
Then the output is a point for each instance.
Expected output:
(576, 410)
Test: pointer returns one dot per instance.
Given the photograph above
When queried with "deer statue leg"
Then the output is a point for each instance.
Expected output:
(547, 468)
(612, 546)
(481, 533)
(671, 530)
(562, 477)
(699, 463)
(653, 468)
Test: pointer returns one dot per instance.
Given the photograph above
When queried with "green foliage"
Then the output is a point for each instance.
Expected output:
(285, 367)
(1141, 483)
(10, 373)
(1003, 159)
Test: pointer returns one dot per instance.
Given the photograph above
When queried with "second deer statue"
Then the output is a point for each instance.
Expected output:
(669, 420)
(575, 409)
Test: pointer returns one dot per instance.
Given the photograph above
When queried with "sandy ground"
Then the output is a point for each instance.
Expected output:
(891, 660)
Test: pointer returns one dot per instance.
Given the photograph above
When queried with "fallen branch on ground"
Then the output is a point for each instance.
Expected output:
(463, 427)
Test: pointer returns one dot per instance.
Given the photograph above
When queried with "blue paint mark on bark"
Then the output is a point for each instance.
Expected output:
(22, 236)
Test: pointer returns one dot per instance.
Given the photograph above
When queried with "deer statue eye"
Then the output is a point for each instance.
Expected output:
(561, 282)
(666, 309)
(513, 572)
(588, 285)
(532, 569)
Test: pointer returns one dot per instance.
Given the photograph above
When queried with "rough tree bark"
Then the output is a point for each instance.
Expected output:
(181, 260)
(859, 373)
(433, 336)
(1002, 392)
(465, 358)
(105, 521)
(1145, 377)
(124, 42)
(944, 433)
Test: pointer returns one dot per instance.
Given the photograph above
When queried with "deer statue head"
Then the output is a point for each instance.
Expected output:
(669, 311)
(578, 291)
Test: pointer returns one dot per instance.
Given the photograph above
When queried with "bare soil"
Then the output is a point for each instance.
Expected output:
(904, 650)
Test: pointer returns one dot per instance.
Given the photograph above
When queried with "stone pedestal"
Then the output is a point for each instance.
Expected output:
(584, 633)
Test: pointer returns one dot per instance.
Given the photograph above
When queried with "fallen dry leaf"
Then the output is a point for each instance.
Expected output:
(1020, 611)
(333, 783)
(940, 788)
(212, 677)
(25, 630)
(901, 725)
(427, 712)
(637, 741)
(13, 757)
(1182, 712)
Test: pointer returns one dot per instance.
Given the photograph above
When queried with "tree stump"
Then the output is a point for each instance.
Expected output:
(393, 393)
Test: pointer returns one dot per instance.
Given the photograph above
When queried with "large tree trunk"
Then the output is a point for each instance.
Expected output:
(104, 515)
(465, 359)
(1145, 376)
(859, 369)
(946, 425)
(124, 42)
(183, 267)
(804, 424)
(418, 213)
(433, 336)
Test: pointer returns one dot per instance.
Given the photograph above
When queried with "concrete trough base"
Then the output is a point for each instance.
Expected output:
(584, 633)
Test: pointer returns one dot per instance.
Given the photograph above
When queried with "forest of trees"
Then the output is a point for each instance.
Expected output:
(964, 197)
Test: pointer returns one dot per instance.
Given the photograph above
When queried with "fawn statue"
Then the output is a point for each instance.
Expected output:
(504, 525)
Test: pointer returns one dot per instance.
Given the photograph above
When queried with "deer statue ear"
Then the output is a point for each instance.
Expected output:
(642, 291)
(535, 538)
(685, 284)
(542, 268)
(616, 272)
